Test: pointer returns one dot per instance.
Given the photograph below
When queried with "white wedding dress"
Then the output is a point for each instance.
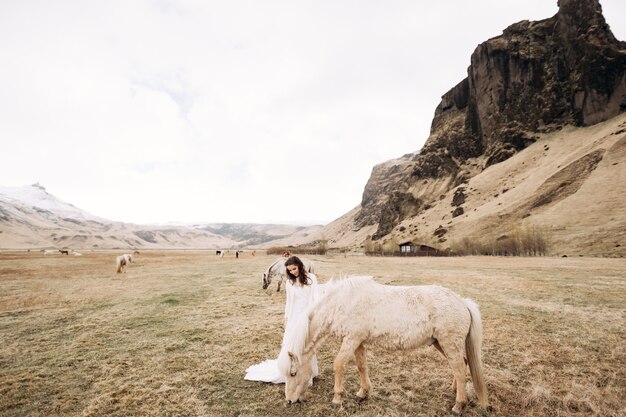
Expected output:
(298, 298)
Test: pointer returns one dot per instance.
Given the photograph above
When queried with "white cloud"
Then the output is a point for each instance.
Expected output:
(234, 111)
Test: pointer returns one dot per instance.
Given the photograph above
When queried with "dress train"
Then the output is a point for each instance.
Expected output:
(267, 371)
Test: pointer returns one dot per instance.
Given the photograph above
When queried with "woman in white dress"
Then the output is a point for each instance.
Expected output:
(302, 291)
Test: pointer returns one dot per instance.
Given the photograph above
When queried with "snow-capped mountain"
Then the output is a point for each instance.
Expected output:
(30, 217)
(36, 197)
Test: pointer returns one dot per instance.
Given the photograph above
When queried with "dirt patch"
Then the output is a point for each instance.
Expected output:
(567, 181)
(617, 152)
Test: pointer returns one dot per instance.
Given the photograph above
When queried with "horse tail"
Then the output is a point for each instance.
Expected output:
(473, 349)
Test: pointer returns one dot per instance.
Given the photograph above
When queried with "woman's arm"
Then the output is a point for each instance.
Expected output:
(288, 300)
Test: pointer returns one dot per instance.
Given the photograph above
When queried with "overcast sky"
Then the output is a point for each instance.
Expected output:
(155, 111)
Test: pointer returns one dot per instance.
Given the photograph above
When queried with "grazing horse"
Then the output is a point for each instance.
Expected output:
(120, 263)
(136, 252)
(64, 252)
(278, 268)
(286, 254)
(362, 312)
(218, 252)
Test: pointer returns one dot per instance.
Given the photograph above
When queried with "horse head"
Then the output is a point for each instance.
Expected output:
(296, 356)
(298, 379)
(266, 279)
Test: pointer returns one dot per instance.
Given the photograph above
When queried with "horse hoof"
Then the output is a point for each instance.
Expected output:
(361, 399)
(336, 405)
(457, 410)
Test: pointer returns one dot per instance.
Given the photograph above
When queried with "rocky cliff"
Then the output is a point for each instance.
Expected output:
(533, 79)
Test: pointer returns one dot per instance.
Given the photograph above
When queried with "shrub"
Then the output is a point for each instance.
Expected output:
(529, 241)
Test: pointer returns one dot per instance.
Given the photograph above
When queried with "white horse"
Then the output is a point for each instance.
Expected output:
(278, 268)
(128, 257)
(49, 252)
(120, 264)
(363, 312)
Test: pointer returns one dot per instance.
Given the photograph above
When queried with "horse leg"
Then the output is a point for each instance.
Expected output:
(455, 352)
(364, 379)
(346, 352)
(436, 345)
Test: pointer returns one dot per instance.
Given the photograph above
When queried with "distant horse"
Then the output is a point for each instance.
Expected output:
(49, 251)
(277, 268)
(120, 263)
(77, 254)
(136, 252)
(218, 252)
(362, 312)
(286, 254)
(64, 252)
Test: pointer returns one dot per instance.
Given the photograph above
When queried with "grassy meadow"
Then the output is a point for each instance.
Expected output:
(174, 335)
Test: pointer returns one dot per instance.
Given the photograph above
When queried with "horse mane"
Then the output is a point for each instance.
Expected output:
(350, 281)
(294, 342)
(298, 336)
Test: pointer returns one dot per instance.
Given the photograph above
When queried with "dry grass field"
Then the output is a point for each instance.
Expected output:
(173, 336)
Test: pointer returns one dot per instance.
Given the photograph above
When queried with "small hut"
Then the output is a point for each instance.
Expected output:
(411, 248)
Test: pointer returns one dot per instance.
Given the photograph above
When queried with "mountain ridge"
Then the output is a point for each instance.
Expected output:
(30, 217)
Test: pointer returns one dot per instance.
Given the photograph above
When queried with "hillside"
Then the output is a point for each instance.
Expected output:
(569, 185)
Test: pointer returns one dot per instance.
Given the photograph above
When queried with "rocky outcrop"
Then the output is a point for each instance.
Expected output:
(534, 78)
(537, 76)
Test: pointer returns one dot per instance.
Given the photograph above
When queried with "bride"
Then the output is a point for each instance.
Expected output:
(302, 291)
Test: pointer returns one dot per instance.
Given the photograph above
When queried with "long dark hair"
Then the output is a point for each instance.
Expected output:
(302, 276)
